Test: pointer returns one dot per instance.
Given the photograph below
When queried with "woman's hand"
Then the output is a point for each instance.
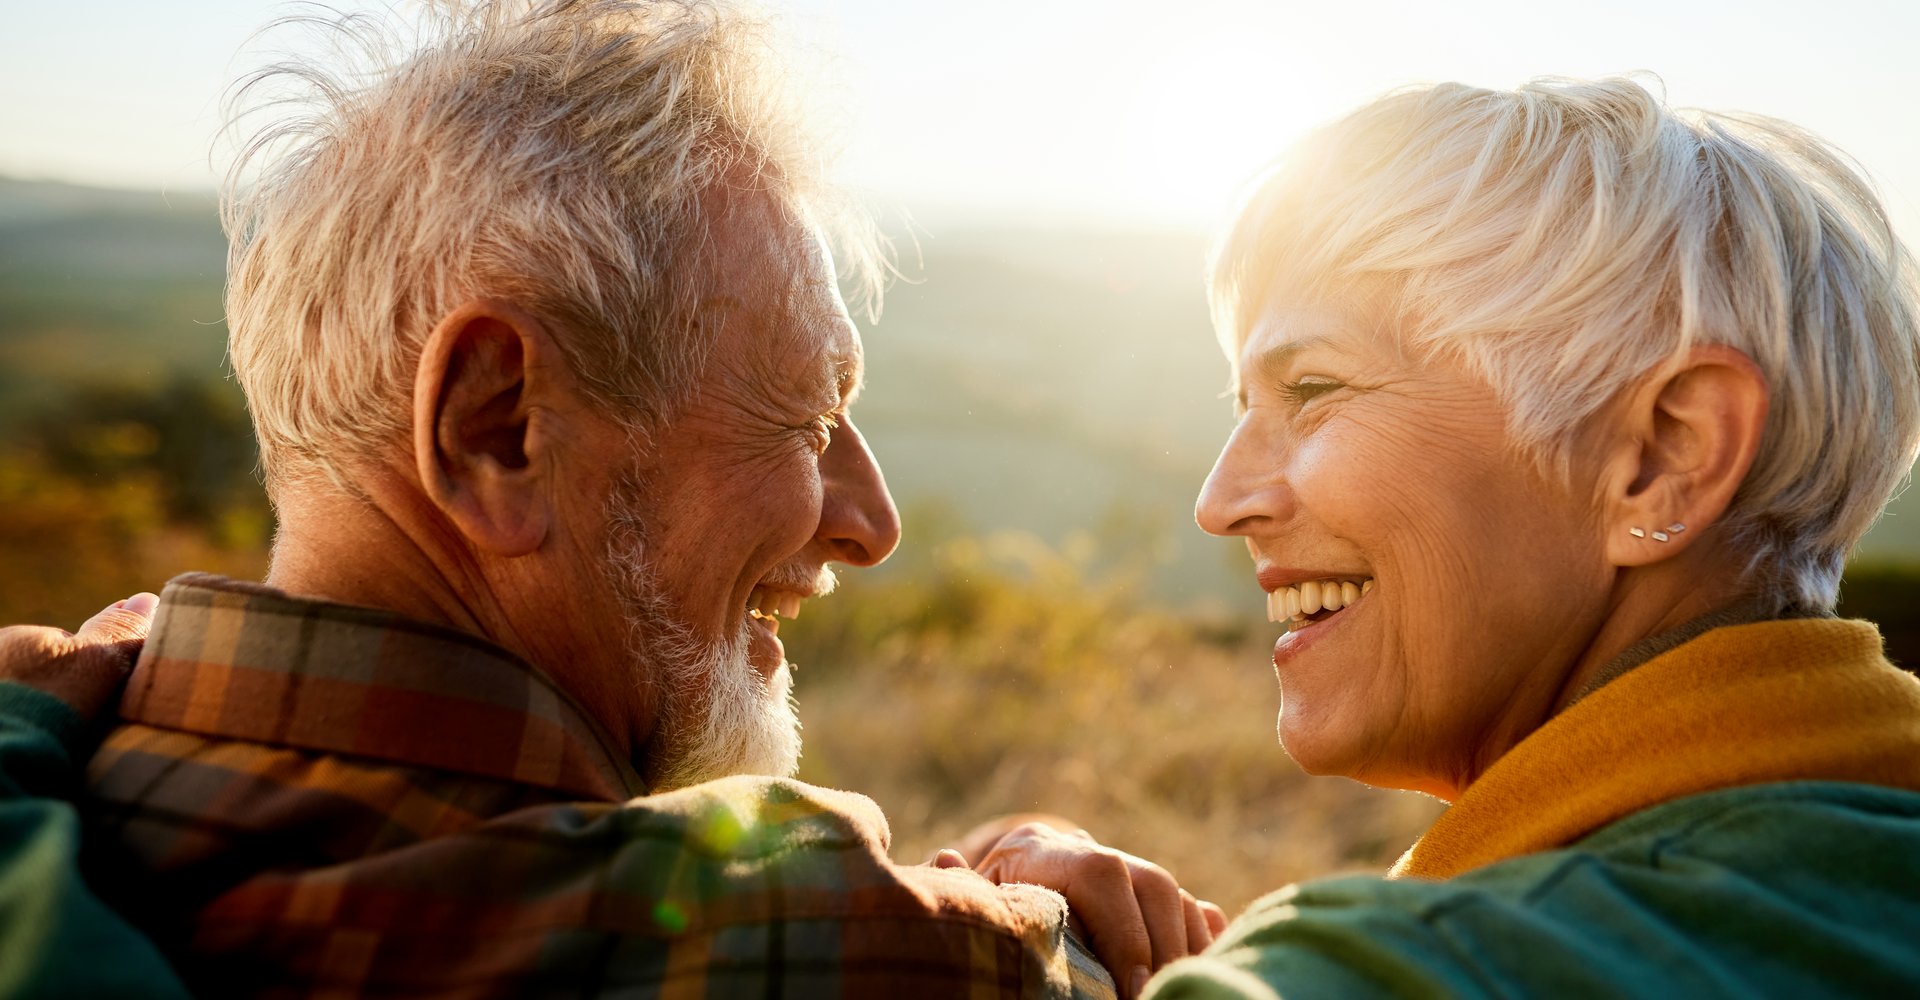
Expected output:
(1135, 914)
(85, 669)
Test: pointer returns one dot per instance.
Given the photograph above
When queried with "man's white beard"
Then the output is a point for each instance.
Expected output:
(718, 715)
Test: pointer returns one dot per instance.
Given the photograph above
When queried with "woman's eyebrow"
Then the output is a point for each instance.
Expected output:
(1272, 362)
(1270, 365)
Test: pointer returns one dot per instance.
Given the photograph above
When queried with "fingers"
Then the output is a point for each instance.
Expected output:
(1161, 908)
(1199, 935)
(1100, 889)
(1216, 918)
(84, 669)
(120, 622)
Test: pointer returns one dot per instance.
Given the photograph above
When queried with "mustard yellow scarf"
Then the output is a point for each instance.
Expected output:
(1805, 699)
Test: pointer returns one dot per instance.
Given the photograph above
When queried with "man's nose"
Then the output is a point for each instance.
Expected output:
(1246, 492)
(858, 521)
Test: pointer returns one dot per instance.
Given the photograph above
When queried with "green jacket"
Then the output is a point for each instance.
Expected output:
(56, 938)
(1800, 889)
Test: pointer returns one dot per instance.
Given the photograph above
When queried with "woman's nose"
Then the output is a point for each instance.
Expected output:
(1245, 491)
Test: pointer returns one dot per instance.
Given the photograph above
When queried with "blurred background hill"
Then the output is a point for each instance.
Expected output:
(1054, 634)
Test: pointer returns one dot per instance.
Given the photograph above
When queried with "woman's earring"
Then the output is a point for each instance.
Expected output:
(1637, 532)
(1659, 536)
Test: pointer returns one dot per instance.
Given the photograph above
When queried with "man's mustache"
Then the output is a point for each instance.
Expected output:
(813, 582)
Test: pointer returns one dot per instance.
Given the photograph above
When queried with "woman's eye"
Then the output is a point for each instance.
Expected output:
(1308, 388)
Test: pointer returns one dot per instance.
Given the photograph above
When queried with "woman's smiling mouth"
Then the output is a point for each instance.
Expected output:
(1312, 601)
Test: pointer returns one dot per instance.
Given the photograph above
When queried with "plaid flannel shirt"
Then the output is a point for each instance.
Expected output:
(313, 799)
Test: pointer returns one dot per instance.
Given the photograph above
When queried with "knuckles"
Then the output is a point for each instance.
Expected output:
(1103, 867)
(1152, 878)
(1033, 830)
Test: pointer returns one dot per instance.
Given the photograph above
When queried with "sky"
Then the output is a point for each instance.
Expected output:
(1111, 112)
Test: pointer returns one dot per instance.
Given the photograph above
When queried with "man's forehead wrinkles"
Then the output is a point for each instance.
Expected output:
(804, 290)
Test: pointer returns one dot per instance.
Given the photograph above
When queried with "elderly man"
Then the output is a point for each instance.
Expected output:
(550, 372)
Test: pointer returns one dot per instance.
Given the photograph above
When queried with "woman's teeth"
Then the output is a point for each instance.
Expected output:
(1294, 604)
(764, 603)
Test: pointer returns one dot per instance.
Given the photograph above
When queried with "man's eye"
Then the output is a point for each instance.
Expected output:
(821, 427)
(1308, 388)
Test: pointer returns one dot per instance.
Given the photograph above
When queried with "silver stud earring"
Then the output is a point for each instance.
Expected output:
(1676, 527)
(1661, 536)
(1637, 532)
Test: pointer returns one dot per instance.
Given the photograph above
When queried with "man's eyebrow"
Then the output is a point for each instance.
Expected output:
(849, 377)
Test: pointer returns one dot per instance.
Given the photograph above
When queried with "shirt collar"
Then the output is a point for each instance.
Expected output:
(243, 661)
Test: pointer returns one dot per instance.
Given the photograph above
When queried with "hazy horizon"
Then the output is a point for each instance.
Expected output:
(1069, 113)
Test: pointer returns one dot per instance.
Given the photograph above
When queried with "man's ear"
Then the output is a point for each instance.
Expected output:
(1680, 445)
(477, 447)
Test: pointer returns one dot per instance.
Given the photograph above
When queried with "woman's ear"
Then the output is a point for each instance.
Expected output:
(478, 446)
(1680, 445)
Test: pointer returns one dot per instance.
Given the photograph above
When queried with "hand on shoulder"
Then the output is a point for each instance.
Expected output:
(86, 668)
(1135, 914)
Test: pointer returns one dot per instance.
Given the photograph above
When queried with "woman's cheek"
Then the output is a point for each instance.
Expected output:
(1342, 473)
(1320, 467)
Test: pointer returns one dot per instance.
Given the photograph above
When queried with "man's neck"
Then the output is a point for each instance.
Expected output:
(380, 552)
(393, 550)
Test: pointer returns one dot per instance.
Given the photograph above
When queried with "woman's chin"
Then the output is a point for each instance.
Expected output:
(1313, 748)
(1329, 746)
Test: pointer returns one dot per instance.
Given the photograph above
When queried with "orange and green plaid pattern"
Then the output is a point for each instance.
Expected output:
(310, 799)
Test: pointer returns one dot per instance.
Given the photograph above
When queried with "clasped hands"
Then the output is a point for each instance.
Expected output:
(1132, 911)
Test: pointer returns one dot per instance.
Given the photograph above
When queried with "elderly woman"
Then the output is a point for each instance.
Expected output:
(1559, 413)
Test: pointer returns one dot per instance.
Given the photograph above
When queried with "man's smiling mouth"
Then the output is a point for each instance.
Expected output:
(1314, 600)
(770, 606)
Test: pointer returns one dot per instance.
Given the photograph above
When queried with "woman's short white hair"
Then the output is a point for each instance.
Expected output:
(1565, 238)
(551, 152)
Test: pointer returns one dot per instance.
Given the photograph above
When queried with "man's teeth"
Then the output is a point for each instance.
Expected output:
(764, 603)
(1294, 604)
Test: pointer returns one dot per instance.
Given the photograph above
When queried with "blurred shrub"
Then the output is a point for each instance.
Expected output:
(114, 490)
(191, 435)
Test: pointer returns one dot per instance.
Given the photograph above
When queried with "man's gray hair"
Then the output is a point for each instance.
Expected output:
(1568, 237)
(554, 154)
